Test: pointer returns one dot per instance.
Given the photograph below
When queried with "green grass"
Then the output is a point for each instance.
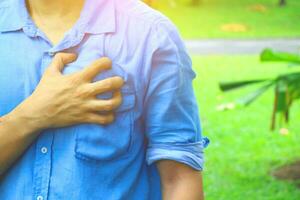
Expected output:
(243, 151)
(205, 20)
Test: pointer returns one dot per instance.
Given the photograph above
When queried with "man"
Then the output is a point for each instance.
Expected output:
(96, 102)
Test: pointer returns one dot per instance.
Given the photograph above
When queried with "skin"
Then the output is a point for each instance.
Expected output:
(55, 17)
(63, 100)
(59, 101)
(179, 181)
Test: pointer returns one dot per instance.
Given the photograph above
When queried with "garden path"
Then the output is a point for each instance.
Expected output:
(240, 46)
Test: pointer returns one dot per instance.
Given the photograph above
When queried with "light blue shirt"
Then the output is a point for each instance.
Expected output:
(157, 120)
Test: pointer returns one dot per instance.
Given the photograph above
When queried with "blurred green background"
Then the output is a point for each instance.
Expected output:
(212, 18)
(243, 153)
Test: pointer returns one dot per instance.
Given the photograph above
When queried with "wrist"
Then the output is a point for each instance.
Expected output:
(23, 121)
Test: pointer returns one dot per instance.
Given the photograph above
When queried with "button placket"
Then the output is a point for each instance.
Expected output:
(46, 60)
(42, 165)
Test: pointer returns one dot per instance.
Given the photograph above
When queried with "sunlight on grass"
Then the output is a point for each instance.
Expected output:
(261, 19)
(243, 151)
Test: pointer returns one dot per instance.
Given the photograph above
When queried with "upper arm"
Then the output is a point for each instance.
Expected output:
(172, 121)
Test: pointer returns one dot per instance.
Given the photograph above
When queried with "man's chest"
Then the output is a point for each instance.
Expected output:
(22, 65)
(23, 61)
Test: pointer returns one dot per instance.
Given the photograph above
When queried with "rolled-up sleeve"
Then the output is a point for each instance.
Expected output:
(172, 122)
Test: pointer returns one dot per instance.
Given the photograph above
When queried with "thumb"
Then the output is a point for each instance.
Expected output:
(60, 60)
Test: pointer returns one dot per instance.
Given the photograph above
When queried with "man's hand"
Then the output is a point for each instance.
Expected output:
(58, 101)
(63, 100)
(179, 181)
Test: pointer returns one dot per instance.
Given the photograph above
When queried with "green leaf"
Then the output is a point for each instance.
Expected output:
(249, 98)
(270, 55)
(292, 81)
(282, 103)
(226, 86)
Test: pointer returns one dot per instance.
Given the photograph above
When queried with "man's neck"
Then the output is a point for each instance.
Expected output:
(56, 8)
(55, 17)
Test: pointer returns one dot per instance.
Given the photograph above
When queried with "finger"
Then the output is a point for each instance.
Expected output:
(106, 85)
(60, 60)
(96, 67)
(102, 119)
(106, 105)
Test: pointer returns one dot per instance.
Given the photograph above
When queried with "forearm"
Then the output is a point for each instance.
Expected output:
(16, 134)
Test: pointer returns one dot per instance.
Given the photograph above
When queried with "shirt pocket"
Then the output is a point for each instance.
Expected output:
(109, 142)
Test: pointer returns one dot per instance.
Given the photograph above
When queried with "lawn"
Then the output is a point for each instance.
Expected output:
(234, 18)
(243, 151)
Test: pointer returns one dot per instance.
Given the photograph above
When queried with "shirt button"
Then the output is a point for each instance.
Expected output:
(51, 53)
(44, 150)
(39, 198)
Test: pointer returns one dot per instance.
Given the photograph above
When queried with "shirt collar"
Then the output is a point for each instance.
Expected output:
(11, 17)
(97, 16)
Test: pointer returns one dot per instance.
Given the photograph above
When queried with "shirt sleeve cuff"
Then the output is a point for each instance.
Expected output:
(187, 153)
